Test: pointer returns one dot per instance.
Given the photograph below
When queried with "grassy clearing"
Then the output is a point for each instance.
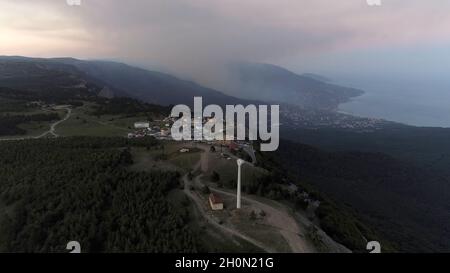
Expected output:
(227, 169)
(170, 155)
(265, 234)
(185, 161)
(215, 242)
(82, 123)
(144, 161)
(35, 128)
(81, 127)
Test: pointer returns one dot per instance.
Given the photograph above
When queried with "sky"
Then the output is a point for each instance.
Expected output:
(399, 39)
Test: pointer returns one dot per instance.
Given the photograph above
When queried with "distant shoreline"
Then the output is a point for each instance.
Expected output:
(379, 106)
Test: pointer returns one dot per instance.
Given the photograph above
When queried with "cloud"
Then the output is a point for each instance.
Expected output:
(188, 35)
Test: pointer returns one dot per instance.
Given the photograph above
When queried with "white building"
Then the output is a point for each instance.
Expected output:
(141, 125)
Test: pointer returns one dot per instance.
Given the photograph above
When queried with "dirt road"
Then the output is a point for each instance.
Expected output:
(53, 126)
(277, 217)
(212, 221)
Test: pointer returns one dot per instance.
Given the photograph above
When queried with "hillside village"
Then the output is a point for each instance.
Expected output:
(204, 186)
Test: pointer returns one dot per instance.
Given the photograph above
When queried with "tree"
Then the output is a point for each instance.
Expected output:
(190, 176)
(253, 215)
(215, 177)
(206, 190)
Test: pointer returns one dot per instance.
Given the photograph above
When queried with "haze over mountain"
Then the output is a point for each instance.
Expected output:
(273, 83)
(110, 78)
(262, 82)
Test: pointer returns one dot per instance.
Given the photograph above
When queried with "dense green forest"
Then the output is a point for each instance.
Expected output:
(406, 204)
(127, 106)
(9, 105)
(428, 147)
(338, 221)
(53, 191)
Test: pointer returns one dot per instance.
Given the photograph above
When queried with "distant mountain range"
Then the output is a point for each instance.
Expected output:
(273, 83)
(251, 82)
(109, 78)
(317, 77)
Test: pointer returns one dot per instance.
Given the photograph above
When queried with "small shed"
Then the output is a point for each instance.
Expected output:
(215, 201)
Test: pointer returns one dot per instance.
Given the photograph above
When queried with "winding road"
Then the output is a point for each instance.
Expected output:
(53, 127)
(52, 130)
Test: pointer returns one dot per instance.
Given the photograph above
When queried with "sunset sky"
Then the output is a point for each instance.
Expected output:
(406, 37)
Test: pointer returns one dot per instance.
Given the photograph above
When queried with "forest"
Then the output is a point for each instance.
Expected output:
(9, 123)
(406, 204)
(338, 221)
(53, 191)
(127, 107)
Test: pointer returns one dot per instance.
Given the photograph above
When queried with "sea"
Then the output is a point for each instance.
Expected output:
(418, 104)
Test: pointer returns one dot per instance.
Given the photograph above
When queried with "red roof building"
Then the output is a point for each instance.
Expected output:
(215, 202)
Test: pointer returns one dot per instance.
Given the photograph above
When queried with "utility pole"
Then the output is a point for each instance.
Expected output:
(240, 162)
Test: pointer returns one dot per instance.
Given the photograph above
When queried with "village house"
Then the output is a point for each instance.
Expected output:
(215, 202)
(141, 125)
(165, 132)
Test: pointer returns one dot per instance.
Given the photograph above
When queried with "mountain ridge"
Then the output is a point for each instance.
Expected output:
(125, 80)
(165, 89)
(269, 82)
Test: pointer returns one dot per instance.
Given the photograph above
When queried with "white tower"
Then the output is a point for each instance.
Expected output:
(240, 162)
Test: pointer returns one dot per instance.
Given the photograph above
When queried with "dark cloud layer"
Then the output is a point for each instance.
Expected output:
(192, 37)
